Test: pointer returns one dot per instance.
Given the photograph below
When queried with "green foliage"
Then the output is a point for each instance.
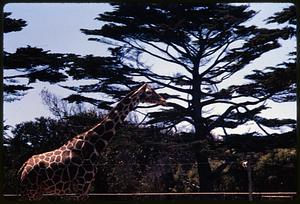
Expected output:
(141, 159)
(287, 15)
(278, 82)
(257, 143)
(231, 177)
(33, 64)
(276, 171)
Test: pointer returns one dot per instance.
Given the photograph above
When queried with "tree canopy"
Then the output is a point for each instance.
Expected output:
(208, 42)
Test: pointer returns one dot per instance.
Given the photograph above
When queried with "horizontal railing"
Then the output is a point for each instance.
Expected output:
(193, 195)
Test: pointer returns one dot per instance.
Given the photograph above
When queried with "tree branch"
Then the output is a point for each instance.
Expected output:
(168, 85)
(173, 59)
(150, 53)
(150, 106)
(234, 106)
(217, 61)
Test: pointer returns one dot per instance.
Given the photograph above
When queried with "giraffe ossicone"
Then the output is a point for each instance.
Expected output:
(72, 167)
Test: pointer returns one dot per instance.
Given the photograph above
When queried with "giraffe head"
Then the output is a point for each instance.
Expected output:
(148, 95)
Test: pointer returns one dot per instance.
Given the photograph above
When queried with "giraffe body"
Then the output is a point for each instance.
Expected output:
(72, 167)
(69, 169)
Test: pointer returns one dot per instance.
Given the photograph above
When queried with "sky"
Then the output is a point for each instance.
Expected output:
(56, 27)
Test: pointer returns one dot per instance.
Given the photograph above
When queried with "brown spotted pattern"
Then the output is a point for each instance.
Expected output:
(72, 167)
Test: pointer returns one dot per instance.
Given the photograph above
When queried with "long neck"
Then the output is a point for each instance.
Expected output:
(102, 133)
(126, 105)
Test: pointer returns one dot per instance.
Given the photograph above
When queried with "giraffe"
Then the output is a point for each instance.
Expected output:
(72, 167)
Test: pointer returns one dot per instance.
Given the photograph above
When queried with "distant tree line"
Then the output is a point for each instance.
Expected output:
(143, 159)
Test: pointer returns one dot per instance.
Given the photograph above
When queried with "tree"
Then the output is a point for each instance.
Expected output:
(279, 82)
(12, 25)
(29, 63)
(208, 43)
(107, 70)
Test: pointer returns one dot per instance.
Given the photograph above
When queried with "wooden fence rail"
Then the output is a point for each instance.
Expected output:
(181, 196)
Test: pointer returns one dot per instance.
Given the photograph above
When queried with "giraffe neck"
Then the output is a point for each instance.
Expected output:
(101, 134)
(126, 105)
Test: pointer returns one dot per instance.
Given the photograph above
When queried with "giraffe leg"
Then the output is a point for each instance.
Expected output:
(85, 191)
(78, 197)
(81, 192)
(31, 195)
(83, 197)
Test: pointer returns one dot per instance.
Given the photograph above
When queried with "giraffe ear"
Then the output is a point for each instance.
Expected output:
(140, 89)
(145, 87)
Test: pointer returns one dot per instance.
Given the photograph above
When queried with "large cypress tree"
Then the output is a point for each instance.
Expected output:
(208, 43)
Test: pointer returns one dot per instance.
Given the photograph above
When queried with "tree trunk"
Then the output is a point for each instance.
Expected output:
(196, 105)
(204, 170)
